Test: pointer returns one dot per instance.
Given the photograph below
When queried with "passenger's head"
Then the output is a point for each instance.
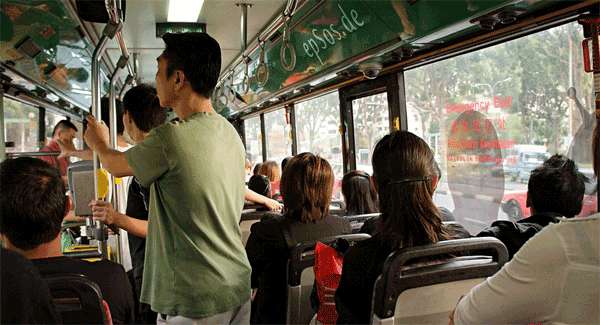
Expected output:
(256, 170)
(405, 176)
(64, 131)
(247, 166)
(32, 202)
(306, 188)
(284, 162)
(270, 169)
(105, 109)
(556, 186)
(260, 184)
(190, 62)
(359, 193)
(142, 111)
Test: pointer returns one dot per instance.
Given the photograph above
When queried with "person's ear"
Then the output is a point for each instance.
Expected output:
(179, 79)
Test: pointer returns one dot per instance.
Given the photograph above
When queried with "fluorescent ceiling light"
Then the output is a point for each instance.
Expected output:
(184, 11)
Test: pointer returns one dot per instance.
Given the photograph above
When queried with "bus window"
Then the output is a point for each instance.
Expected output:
(317, 131)
(253, 139)
(371, 123)
(279, 144)
(493, 115)
(21, 126)
(51, 120)
(78, 141)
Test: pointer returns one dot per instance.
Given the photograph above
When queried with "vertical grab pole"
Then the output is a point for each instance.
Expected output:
(2, 139)
(113, 141)
(96, 107)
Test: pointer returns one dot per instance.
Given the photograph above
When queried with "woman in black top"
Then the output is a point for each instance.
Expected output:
(405, 178)
(306, 186)
(359, 193)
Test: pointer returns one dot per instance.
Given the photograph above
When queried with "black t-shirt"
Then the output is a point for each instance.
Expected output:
(138, 199)
(25, 295)
(110, 277)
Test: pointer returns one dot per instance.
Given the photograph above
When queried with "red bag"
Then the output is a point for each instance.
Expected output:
(328, 271)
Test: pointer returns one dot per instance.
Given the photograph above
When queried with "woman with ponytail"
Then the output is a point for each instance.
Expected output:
(405, 178)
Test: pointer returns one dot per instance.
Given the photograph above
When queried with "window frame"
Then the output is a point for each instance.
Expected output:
(393, 85)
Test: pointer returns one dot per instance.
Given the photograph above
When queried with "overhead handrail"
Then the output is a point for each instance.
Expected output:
(286, 45)
(265, 34)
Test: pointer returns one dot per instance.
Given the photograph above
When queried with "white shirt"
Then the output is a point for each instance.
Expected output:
(553, 279)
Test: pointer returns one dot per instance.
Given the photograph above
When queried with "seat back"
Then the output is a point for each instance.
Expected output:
(411, 291)
(301, 277)
(357, 221)
(77, 299)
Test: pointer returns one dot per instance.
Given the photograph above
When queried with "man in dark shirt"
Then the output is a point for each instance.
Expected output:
(555, 190)
(25, 295)
(32, 205)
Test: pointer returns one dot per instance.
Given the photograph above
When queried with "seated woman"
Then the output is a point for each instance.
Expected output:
(405, 178)
(306, 186)
(271, 170)
(359, 193)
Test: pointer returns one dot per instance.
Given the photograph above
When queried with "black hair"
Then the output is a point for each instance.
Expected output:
(260, 184)
(32, 202)
(105, 109)
(284, 162)
(64, 125)
(143, 106)
(256, 169)
(359, 193)
(198, 55)
(557, 186)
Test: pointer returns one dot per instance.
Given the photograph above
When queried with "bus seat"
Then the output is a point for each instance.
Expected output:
(301, 277)
(245, 229)
(357, 221)
(413, 292)
(77, 299)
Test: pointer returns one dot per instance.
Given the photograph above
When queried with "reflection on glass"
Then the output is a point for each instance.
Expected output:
(20, 126)
(493, 115)
(371, 123)
(43, 41)
(317, 125)
(279, 144)
(253, 140)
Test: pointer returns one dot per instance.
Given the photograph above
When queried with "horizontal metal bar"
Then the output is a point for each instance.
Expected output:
(33, 154)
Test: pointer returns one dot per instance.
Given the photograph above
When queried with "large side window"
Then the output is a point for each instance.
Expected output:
(317, 131)
(371, 123)
(493, 115)
(20, 126)
(279, 144)
(253, 139)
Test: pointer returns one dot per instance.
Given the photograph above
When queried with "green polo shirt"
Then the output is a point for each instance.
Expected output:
(195, 265)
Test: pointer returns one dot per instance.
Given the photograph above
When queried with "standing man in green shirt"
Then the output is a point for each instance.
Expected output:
(196, 269)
